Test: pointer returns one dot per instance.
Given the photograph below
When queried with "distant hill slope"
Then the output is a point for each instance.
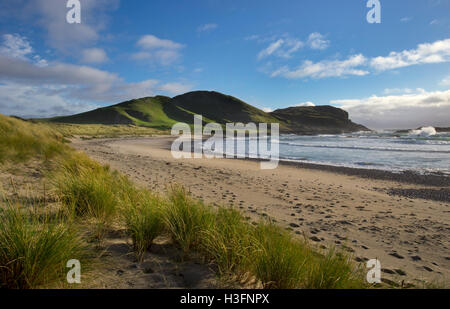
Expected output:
(144, 112)
(220, 108)
(162, 112)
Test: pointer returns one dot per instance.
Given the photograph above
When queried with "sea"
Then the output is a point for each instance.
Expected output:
(423, 151)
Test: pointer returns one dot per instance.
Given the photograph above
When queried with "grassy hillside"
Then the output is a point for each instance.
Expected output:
(220, 108)
(147, 112)
(163, 112)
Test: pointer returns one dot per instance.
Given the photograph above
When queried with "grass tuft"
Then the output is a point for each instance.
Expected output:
(186, 219)
(88, 189)
(143, 219)
(34, 249)
(278, 260)
(228, 241)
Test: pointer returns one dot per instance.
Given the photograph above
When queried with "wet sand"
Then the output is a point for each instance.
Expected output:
(395, 218)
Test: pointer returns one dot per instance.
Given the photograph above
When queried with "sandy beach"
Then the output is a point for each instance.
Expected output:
(403, 223)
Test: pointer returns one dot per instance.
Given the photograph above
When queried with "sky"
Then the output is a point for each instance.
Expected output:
(271, 54)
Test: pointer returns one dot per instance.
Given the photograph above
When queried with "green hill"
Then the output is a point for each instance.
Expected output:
(220, 108)
(147, 112)
(163, 112)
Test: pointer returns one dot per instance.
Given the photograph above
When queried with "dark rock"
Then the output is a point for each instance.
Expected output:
(344, 222)
(395, 254)
(119, 272)
(315, 238)
(147, 268)
(388, 271)
(441, 195)
(389, 282)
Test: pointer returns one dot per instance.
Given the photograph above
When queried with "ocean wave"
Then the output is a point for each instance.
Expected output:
(425, 131)
(363, 148)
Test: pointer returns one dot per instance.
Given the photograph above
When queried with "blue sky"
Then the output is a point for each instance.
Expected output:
(271, 54)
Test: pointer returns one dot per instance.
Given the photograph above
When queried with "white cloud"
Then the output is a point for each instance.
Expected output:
(286, 46)
(150, 42)
(403, 90)
(317, 41)
(34, 101)
(406, 19)
(29, 89)
(359, 65)
(159, 51)
(51, 16)
(283, 48)
(310, 104)
(400, 111)
(436, 52)
(15, 46)
(207, 28)
(94, 55)
(270, 49)
(54, 73)
(175, 88)
(445, 81)
(267, 109)
(252, 37)
(326, 68)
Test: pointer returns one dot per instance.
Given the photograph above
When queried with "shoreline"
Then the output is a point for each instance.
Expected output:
(407, 176)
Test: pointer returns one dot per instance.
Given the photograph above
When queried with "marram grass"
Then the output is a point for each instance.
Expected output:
(186, 219)
(21, 141)
(35, 248)
(266, 251)
(88, 190)
(143, 219)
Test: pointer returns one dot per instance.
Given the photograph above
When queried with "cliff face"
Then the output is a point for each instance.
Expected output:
(317, 120)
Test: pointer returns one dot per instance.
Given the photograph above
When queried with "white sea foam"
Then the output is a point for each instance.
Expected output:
(425, 131)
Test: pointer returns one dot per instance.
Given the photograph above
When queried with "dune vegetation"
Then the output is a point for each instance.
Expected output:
(21, 140)
(88, 131)
(36, 242)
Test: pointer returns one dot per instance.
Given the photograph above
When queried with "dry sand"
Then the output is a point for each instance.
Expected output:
(410, 237)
